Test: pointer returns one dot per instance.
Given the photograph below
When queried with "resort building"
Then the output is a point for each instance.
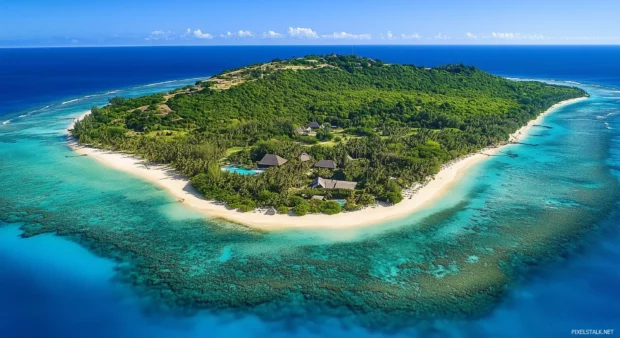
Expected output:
(271, 211)
(271, 160)
(325, 183)
(305, 157)
(301, 130)
(314, 125)
(326, 164)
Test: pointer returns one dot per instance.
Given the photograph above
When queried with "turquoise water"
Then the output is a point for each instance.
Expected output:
(341, 202)
(242, 171)
(524, 246)
(507, 214)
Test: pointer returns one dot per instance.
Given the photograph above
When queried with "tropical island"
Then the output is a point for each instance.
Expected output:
(319, 134)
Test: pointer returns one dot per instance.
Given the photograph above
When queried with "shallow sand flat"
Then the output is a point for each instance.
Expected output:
(178, 185)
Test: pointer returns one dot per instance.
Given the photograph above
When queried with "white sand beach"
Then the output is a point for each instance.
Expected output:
(178, 186)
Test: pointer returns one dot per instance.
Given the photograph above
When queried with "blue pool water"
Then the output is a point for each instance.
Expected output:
(92, 278)
(341, 202)
(242, 171)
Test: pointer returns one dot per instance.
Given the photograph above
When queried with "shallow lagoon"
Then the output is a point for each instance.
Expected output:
(471, 246)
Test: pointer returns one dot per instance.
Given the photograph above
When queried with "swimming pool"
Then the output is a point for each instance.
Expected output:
(242, 171)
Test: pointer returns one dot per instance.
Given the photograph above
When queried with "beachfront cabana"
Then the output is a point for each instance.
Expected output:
(305, 157)
(326, 164)
(271, 160)
(325, 183)
(271, 211)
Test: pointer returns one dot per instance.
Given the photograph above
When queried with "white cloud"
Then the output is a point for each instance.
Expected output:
(441, 36)
(506, 36)
(227, 35)
(516, 36)
(471, 36)
(198, 34)
(244, 34)
(239, 34)
(272, 35)
(414, 36)
(299, 32)
(160, 35)
(345, 35)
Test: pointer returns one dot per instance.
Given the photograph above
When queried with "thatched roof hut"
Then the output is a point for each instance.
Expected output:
(271, 160)
(327, 164)
(325, 183)
(305, 157)
(314, 125)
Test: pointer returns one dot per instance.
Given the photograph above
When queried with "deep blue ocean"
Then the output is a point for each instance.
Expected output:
(51, 286)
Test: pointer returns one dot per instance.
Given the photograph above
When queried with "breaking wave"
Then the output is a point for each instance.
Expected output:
(70, 101)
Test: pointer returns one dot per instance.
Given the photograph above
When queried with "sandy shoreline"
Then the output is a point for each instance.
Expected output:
(178, 186)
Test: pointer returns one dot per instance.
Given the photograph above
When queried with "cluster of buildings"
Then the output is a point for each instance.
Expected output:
(271, 160)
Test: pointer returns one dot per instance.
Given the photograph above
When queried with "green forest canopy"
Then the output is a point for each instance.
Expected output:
(387, 126)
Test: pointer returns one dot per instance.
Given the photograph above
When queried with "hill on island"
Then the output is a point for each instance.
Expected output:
(325, 131)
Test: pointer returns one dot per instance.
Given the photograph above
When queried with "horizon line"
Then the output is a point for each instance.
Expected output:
(318, 45)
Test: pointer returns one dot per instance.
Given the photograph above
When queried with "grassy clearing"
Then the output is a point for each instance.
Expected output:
(233, 150)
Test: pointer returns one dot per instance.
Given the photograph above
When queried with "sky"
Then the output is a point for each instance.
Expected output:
(41, 23)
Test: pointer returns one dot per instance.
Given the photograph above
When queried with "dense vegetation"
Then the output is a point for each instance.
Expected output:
(386, 126)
